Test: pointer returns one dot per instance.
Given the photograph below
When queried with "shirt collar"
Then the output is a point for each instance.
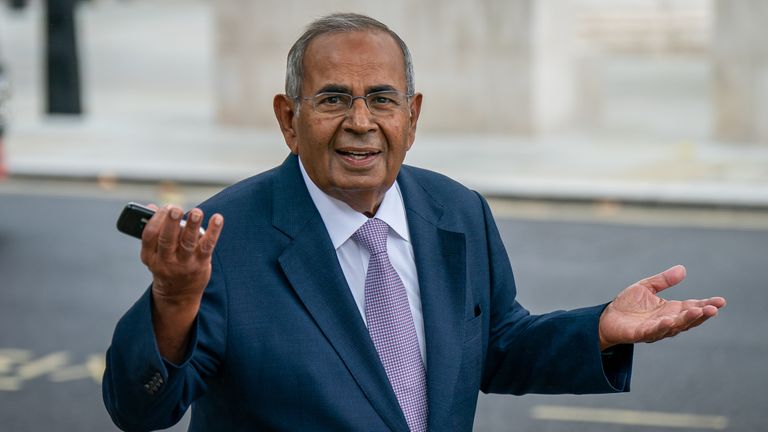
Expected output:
(342, 221)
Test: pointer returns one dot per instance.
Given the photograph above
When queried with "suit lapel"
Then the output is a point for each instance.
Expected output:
(441, 265)
(311, 266)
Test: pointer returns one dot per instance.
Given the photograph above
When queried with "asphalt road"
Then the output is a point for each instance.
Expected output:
(66, 276)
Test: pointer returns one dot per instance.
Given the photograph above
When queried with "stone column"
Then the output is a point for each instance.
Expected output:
(740, 56)
(498, 66)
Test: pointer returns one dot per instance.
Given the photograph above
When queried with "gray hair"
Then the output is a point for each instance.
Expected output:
(338, 23)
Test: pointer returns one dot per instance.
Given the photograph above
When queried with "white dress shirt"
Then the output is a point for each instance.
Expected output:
(342, 221)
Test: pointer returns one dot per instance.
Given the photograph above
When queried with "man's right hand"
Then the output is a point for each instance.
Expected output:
(180, 262)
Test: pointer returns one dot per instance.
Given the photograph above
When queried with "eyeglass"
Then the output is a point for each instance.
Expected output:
(379, 103)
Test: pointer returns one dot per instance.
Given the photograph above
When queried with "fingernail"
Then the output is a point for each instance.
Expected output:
(175, 214)
(195, 217)
(217, 221)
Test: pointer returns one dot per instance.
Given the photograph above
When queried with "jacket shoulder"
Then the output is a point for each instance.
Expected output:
(443, 189)
(252, 191)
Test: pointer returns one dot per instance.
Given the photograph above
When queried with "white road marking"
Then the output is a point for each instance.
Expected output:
(10, 357)
(19, 365)
(43, 365)
(93, 368)
(628, 417)
(9, 383)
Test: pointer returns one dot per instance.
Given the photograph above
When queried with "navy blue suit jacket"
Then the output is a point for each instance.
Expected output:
(279, 343)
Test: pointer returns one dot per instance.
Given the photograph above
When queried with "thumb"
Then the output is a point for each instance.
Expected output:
(668, 278)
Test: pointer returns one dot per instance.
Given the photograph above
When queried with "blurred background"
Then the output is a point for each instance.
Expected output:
(615, 138)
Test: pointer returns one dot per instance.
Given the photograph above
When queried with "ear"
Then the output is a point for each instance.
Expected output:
(415, 111)
(285, 112)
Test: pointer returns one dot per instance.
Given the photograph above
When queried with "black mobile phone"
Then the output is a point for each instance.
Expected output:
(134, 218)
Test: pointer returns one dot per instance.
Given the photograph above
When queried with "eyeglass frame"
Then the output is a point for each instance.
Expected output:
(351, 101)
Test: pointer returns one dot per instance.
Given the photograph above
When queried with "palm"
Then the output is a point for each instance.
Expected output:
(638, 314)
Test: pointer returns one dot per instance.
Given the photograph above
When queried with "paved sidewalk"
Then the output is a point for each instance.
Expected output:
(569, 167)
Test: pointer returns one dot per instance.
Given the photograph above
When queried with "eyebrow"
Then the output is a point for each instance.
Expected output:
(380, 88)
(334, 88)
(339, 88)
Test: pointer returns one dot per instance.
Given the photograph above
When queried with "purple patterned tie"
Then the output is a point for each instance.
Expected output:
(390, 324)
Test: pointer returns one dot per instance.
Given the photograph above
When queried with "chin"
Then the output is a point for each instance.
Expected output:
(360, 187)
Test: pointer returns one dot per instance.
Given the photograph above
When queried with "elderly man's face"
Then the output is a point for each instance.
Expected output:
(354, 157)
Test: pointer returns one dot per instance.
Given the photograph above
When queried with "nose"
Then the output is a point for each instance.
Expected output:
(359, 118)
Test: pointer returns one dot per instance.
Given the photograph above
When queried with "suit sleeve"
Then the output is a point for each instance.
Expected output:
(553, 353)
(144, 391)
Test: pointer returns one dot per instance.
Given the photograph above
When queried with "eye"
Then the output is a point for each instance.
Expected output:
(382, 99)
(330, 99)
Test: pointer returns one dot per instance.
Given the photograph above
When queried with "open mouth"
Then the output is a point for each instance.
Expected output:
(358, 155)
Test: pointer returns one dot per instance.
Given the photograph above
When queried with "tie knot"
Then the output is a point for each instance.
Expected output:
(373, 235)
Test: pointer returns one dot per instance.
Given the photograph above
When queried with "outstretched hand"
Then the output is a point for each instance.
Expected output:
(638, 314)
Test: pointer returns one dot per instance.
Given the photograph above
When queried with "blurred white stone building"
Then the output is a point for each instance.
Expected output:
(698, 68)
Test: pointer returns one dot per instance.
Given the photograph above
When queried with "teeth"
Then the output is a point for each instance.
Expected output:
(356, 155)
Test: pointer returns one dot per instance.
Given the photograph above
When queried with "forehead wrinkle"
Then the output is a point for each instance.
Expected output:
(364, 68)
(366, 78)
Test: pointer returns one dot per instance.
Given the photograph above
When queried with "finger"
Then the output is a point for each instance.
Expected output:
(190, 234)
(208, 241)
(659, 331)
(150, 234)
(718, 302)
(153, 206)
(709, 305)
(672, 325)
(668, 278)
(168, 238)
(697, 322)
(710, 311)
(707, 312)
(693, 303)
(690, 318)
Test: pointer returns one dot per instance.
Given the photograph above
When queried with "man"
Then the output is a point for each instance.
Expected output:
(350, 292)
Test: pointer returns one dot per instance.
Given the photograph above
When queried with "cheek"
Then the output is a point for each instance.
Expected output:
(310, 138)
(400, 142)
(318, 134)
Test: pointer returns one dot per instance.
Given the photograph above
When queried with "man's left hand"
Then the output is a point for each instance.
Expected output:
(638, 314)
